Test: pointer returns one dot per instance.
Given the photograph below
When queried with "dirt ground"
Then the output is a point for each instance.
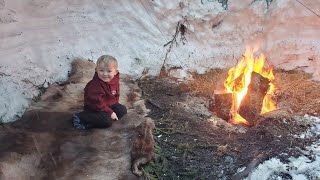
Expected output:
(193, 144)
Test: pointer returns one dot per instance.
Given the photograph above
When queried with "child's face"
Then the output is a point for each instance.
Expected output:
(106, 71)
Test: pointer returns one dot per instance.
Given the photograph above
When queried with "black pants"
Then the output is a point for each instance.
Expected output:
(100, 119)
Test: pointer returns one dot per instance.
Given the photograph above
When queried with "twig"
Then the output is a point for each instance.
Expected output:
(308, 8)
(171, 42)
(167, 132)
(254, 163)
(180, 29)
(281, 63)
(154, 104)
(298, 67)
(3, 74)
(40, 87)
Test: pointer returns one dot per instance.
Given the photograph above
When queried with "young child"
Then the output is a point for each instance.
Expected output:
(101, 97)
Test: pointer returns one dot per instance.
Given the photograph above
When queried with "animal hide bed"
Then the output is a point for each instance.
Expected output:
(43, 144)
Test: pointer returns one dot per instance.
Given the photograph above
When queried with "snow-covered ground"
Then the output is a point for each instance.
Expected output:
(302, 168)
(39, 38)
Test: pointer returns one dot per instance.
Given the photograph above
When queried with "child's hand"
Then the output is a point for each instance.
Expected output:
(114, 116)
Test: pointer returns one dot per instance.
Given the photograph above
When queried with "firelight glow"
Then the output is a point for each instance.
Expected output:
(239, 78)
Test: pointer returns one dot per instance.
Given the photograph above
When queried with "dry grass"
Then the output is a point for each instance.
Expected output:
(207, 84)
(295, 91)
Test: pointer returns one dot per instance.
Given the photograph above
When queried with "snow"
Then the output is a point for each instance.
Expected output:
(314, 130)
(298, 168)
(39, 39)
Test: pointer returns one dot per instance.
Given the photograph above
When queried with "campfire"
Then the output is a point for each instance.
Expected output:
(247, 92)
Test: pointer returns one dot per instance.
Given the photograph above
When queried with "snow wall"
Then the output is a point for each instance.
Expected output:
(39, 38)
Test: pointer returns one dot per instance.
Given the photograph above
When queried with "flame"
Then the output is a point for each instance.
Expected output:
(239, 78)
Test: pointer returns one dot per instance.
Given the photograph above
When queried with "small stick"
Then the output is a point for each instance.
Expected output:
(253, 164)
(154, 104)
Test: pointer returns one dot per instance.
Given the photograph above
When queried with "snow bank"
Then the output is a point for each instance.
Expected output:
(38, 40)
(286, 32)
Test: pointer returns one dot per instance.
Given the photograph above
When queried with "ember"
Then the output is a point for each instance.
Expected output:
(250, 85)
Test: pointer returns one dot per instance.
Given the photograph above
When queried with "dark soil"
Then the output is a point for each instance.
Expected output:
(189, 146)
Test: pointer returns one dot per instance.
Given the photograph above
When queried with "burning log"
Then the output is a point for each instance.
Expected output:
(221, 105)
(252, 102)
(248, 83)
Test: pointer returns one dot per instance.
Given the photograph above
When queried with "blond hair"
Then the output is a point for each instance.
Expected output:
(107, 59)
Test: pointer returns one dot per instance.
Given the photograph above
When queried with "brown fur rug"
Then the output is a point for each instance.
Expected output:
(43, 144)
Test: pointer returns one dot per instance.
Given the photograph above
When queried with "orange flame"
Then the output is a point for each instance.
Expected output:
(239, 78)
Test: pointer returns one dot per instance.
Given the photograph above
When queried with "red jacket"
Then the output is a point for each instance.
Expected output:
(99, 95)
